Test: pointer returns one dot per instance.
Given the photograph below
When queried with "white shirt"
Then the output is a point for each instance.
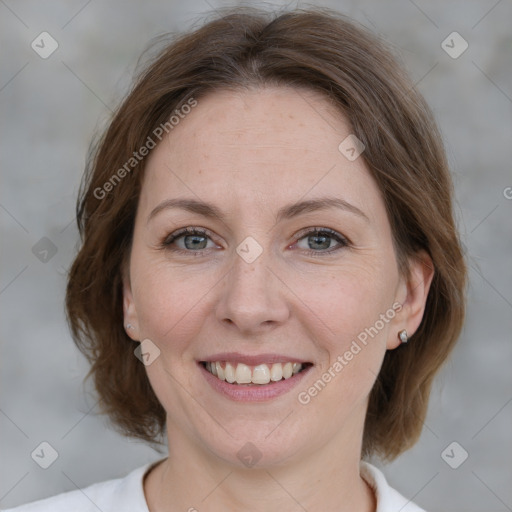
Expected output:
(127, 494)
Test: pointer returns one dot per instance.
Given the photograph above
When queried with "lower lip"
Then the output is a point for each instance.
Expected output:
(256, 392)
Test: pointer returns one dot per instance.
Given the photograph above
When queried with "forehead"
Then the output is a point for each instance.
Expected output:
(258, 148)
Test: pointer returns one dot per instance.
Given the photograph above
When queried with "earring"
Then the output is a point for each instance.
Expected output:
(129, 326)
(403, 336)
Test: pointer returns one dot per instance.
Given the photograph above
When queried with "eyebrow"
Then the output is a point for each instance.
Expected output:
(209, 210)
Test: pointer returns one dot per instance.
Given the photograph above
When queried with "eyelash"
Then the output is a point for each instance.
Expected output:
(168, 241)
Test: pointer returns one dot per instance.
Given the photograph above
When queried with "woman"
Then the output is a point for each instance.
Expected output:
(270, 275)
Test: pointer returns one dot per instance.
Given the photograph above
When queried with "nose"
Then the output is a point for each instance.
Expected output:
(253, 297)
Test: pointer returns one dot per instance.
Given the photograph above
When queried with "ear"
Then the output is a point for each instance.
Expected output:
(412, 295)
(129, 309)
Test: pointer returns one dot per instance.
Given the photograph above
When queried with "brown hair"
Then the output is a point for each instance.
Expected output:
(321, 50)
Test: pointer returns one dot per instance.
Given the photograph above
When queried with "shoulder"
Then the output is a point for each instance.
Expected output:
(109, 496)
(388, 499)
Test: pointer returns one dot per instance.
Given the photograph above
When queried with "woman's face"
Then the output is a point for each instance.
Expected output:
(271, 278)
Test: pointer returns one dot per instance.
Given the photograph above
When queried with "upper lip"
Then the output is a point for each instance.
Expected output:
(252, 360)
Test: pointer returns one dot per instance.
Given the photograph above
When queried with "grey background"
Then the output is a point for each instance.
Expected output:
(50, 110)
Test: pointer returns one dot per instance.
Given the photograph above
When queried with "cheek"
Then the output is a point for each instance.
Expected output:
(170, 302)
(349, 299)
(352, 308)
(350, 304)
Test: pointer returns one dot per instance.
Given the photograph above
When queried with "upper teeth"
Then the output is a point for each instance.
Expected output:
(260, 374)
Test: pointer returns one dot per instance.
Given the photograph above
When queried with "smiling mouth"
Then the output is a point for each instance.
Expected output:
(261, 374)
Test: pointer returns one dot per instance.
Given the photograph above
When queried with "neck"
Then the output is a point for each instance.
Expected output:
(326, 479)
